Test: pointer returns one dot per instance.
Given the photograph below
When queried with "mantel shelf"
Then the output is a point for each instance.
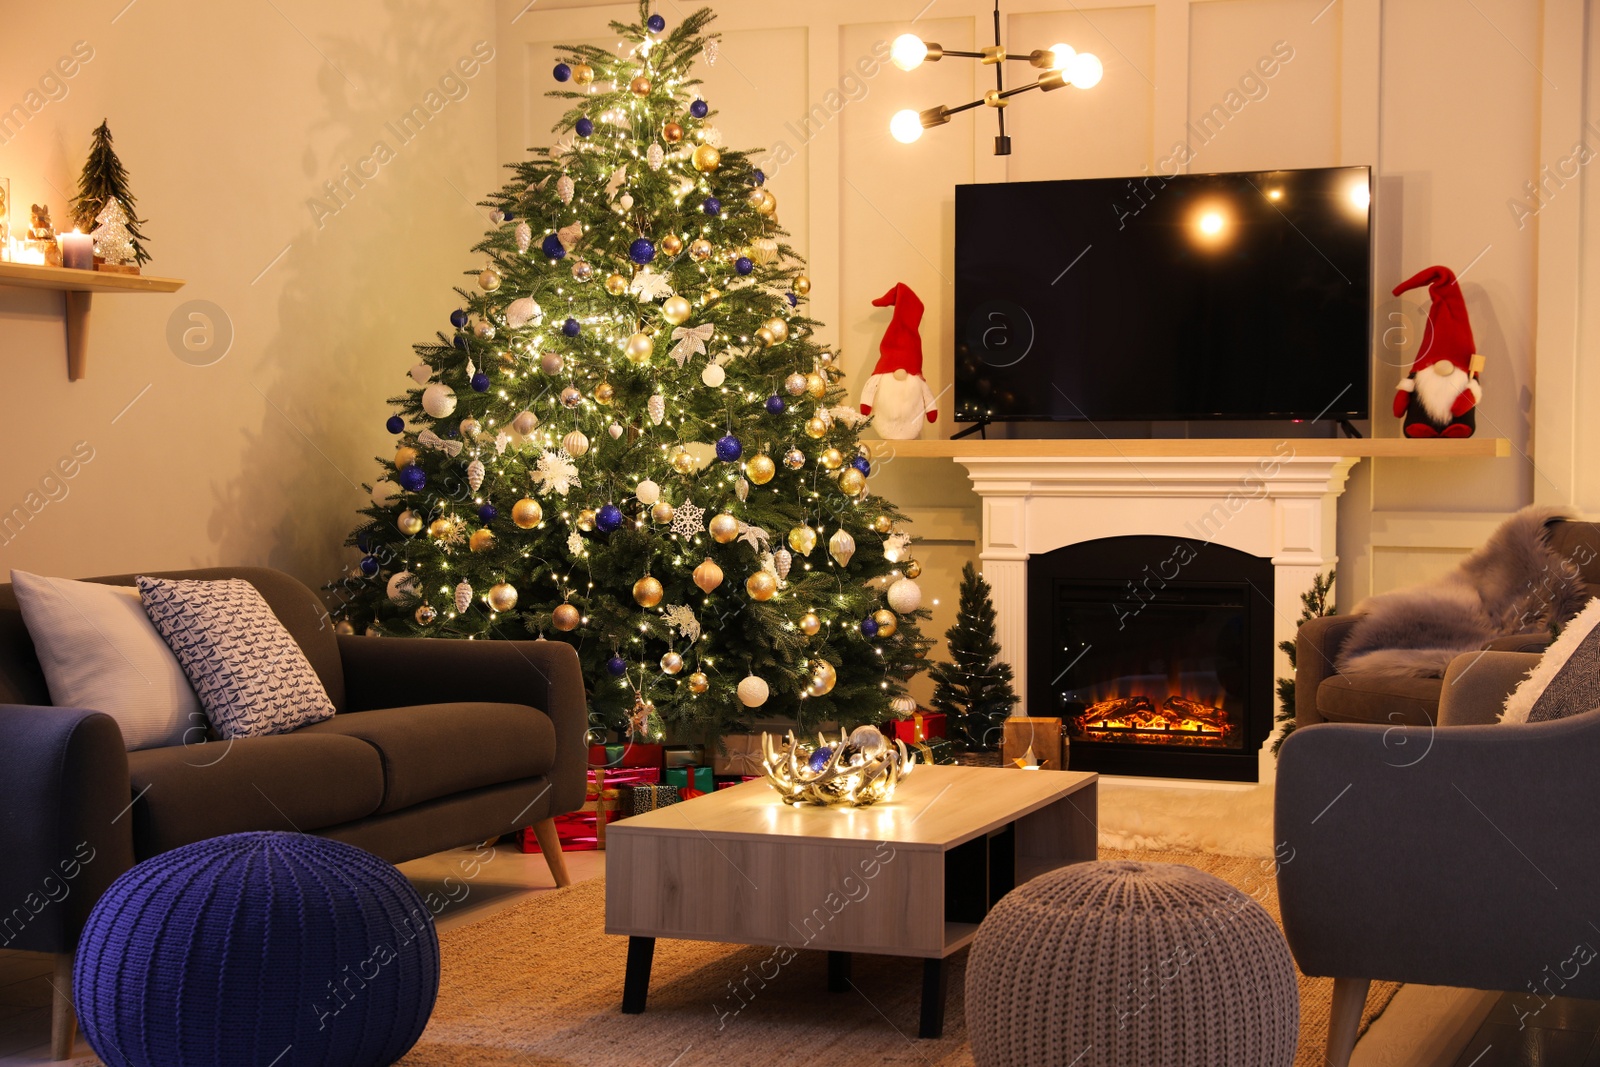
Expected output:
(78, 286)
(1101, 448)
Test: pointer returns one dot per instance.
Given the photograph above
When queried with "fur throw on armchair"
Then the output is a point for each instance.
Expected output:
(1516, 583)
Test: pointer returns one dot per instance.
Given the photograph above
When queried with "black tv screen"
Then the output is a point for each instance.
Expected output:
(1214, 296)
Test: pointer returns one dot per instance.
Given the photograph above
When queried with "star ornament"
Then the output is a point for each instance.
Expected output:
(690, 520)
(682, 618)
(754, 536)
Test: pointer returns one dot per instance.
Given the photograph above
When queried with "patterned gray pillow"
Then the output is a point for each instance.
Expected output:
(250, 674)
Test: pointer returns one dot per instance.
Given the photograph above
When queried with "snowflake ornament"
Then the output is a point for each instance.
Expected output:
(712, 51)
(895, 545)
(564, 146)
(555, 472)
(690, 520)
(574, 544)
(502, 441)
(682, 618)
(711, 136)
(454, 531)
(648, 285)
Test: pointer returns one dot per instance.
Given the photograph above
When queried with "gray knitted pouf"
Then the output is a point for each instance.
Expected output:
(1131, 965)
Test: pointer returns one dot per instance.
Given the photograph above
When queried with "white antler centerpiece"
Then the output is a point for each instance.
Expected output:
(858, 769)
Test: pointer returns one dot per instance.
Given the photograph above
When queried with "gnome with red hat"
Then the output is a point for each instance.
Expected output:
(897, 388)
(1437, 398)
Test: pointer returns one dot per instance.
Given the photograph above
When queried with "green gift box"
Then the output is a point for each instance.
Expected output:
(933, 750)
(684, 777)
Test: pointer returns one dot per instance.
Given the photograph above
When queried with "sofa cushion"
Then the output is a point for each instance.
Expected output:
(1387, 699)
(1567, 679)
(435, 750)
(295, 781)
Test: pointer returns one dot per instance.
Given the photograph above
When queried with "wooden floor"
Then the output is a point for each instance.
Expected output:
(1565, 1033)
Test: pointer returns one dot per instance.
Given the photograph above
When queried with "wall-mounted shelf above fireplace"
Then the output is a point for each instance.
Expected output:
(1135, 448)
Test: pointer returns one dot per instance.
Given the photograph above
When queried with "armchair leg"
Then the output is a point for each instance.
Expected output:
(63, 1019)
(550, 844)
(1349, 999)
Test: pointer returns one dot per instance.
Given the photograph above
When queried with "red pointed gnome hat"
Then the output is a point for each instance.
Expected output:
(901, 348)
(1448, 335)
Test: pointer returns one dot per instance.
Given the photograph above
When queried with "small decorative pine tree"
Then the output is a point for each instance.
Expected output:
(104, 180)
(1314, 604)
(974, 689)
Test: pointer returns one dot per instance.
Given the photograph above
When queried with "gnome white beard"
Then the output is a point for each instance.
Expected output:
(1438, 392)
(899, 406)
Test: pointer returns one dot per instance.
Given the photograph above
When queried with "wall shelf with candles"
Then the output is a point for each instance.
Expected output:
(78, 286)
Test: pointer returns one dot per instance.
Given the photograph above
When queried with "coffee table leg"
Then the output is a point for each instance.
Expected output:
(933, 993)
(636, 981)
(838, 972)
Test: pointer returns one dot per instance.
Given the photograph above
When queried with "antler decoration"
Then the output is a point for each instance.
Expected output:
(859, 769)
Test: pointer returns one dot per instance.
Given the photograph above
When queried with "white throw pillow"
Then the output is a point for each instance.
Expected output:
(1566, 680)
(100, 652)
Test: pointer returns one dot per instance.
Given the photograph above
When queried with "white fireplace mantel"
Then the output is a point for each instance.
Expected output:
(1278, 503)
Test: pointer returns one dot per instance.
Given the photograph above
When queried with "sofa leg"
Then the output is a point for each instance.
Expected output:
(550, 844)
(1349, 1000)
(63, 1019)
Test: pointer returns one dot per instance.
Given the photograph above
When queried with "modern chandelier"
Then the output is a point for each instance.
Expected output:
(1061, 65)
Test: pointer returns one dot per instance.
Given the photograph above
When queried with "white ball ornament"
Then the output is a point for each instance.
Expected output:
(575, 443)
(404, 586)
(905, 596)
(713, 375)
(439, 400)
(753, 692)
(385, 494)
(648, 492)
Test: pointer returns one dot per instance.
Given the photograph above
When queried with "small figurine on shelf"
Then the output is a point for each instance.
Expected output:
(42, 236)
(113, 241)
(1439, 397)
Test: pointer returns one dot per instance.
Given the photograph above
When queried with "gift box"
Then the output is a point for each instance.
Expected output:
(612, 757)
(577, 832)
(933, 750)
(738, 754)
(617, 777)
(691, 777)
(606, 755)
(684, 755)
(729, 783)
(638, 799)
(921, 726)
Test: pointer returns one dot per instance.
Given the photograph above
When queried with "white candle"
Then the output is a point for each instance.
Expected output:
(77, 250)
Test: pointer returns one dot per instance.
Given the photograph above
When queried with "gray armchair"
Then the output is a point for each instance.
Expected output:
(1455, 855)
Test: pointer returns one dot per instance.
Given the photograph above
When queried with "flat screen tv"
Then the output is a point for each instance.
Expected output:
(1200, 296)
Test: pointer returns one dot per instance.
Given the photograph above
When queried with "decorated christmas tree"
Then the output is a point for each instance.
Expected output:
(104, 182)
(631, 439)
(974, 688)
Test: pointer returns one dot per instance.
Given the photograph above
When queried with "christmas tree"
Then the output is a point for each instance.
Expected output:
(632, 440)
(102, 183)
(974, 689)
(113, 237)
(1313, 605)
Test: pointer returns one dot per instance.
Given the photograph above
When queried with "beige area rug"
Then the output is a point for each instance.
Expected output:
(540, 984)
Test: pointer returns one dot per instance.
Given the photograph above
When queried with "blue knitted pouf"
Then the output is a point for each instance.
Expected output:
(262, 948)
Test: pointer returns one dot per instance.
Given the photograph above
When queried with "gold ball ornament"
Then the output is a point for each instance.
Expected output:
(671, 663)
(571, 397)
(794, 459)
(815, 427)
(761, 585)
(605, 393)
(662, 512)
(677, 310)
(439, 529)
(481, 540)
(502, 596)
(795, 384)
(641, 346)
(706, 158)
(672, 244)
(831, 459)
(760, 469)
(698, 683)
(672, 133)
(708, 575)
(711, 297)
(724, 528)
(551, 363)
(640, 86)
(887, 622)
(700, 250)
(582, 73)
(586, 520)
(682, 462)
(803, 539)
(405, 457)
(816, 386)
(753, 692)
(769, 203)
(488, 280)
(527, 513)
(565, 618)
(409, 523)
(471, 428)
(766, 337)
(883, 524)
(851, 482)
(913, 569)
(823, 679)
(779, 328)
(810, 624)
(802, 285)
(424, 615)
(616, 285)
(647, 592)
(582, 270)
(344, 628)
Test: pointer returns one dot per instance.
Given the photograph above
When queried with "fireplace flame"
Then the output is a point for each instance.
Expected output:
(1187, 719)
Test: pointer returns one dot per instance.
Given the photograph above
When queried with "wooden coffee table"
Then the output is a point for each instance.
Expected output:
(911, 877)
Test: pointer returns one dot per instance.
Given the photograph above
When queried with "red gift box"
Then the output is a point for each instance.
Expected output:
(919, 727)
(633, 755)
(578, 832)
(729, 783)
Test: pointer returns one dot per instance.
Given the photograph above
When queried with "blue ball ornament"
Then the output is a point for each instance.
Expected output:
(571, 328)
(728, 448)
(743, 265)
(712, 206)
(819, 759)
(458, 318)
(617, 665)
(364, 541)
(869, 628)
(862, 464)
(413, 478)
(656, 23)
(480, 382)
(369, 565)
(506, 216)
(460, 342)
(699, 109)
(608, 518)
(554, 248)
(562, 72)
(396, 424)
(775, 405)
(761, 177)
(794, 301)
(642, 251)
(584, 127)
(488, 513)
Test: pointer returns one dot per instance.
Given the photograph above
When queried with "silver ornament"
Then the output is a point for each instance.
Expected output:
(565, 188)
(655, 156)
(782, 560)
(475, 473)
(657, 408)
(522, 311)
(524, 235)
(571, 397)
(463, 598)
(551, 362)
(741, 489)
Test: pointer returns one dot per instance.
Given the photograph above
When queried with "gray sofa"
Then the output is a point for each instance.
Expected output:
(435, 744)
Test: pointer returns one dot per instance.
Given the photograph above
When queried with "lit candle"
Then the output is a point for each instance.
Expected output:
(77, 251)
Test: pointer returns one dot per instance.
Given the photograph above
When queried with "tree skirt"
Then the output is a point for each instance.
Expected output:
(540, 983)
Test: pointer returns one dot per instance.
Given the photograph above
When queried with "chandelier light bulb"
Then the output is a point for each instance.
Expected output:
(1061, 55)
(908, 51)
(1086, 70)
(906, 126)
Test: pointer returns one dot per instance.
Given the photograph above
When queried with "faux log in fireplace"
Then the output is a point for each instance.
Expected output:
(1156, 652)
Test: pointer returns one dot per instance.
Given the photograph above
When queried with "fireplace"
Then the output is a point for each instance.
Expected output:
(1156, 653)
